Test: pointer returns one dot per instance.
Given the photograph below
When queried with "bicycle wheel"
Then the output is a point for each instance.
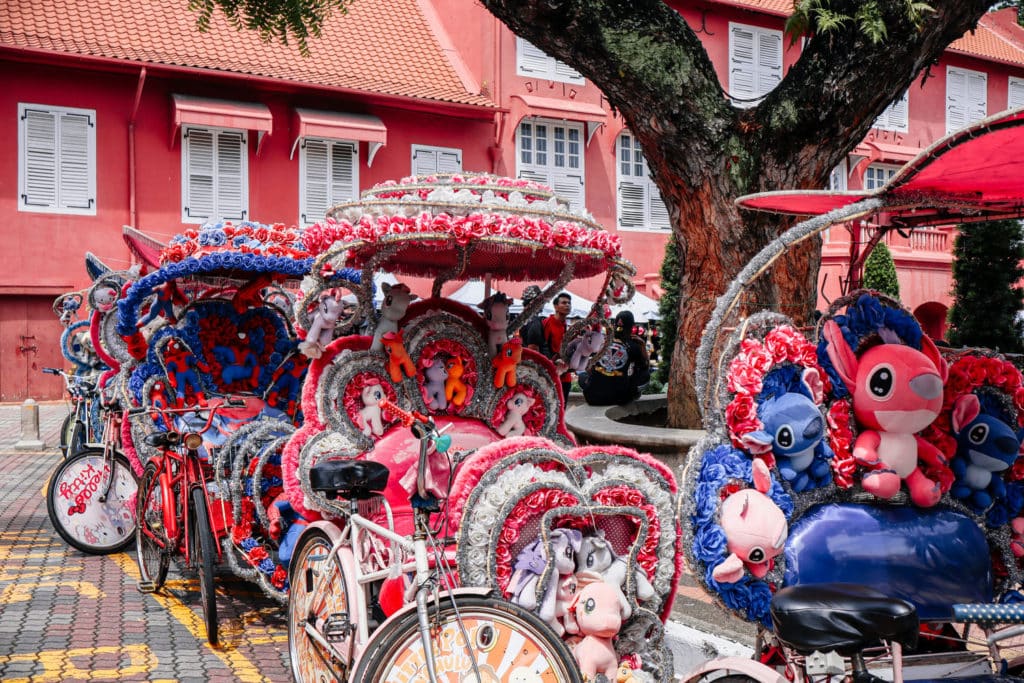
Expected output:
(316, 590)
(204, 555)
(151, 544)
(76, 439)
(506, 642)
(65, 433)
(74, 508)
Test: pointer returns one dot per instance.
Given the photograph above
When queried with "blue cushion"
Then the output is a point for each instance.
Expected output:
(932, 558)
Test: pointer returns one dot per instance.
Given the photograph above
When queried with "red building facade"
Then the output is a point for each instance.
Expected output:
(121, 113)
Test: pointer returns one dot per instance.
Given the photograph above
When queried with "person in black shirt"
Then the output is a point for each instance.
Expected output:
(621, 372)
(533, 331)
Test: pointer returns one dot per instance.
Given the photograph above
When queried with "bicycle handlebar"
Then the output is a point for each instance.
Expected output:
(212, 407)
(405, 416)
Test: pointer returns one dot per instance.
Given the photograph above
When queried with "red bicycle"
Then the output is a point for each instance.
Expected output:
(174, 511)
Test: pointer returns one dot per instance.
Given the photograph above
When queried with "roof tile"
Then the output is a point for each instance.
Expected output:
(379, 46)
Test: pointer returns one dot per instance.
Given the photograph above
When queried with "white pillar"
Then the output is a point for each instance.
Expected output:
(30, 440)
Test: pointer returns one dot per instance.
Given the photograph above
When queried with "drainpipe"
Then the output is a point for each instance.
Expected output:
(132, 215)
(499, 123)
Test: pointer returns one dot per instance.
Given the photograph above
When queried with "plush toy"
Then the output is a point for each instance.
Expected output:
(597, 556)
(181, 365)
(435, 373)
(232, 370)
(495, 308)
(166, 298)
(250, 295)
(793, 431)
(455, 390)
(321, 330)
(530, 566)
(399, 361)
(897, 392)
(568, 586)
(397, 298)
(104, 298)
(755, 529)
(598, 613)
(284, 527)
(506, 362)
(625, 675)
(984, 445)
(369, 414)
(583, 348)
(1017, 537)
(518, 405)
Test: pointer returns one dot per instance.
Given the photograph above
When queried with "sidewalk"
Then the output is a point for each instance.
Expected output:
(51, 415)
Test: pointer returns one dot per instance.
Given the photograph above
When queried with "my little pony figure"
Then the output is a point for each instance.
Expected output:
(583, 348)
(530, 566)
(370, 414)
(399, 361)
(897, 392)
(435, 373)
(986, 445)
(513, 424)
(505, 363)
(495, 308)
(321, 330)
(396, 301)
(455, 390)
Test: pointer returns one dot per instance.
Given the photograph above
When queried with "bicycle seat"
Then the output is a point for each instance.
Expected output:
(845, 617)
(349, 479)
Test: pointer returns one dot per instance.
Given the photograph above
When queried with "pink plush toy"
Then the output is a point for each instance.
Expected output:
(370, 416)
(589, 343)
(518, 405)
(755, 529)
(321, 330)
(897, 392)
(597, 612)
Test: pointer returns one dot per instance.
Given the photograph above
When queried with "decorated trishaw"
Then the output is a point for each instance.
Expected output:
(859, 496)
(439, 521)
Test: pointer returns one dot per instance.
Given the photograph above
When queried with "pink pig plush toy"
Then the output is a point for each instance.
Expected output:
(897, 392)
(755, 529)
(597, 612)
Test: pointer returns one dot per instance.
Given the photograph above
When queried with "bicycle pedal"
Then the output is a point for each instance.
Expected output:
(337, 627)
(146, 587)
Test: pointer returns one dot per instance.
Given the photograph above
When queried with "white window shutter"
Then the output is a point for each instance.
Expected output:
(198, 147)
(741, 63)
(769, 61)
(424, 162)
(564, 72)
(1015, 93)
(231, 149)
(40, 158)
(343, 172)
(977, 93)
(76, 191)
(532, 61)
(657, 209)
(316, 195)
(956, 100)
(449, 162)
(632, 201)
(535, 175)
(569, 186)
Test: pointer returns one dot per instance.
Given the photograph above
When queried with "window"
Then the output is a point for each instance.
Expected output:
(966, 97)
(215, 174)
(639, 201)
(551, 152)
(755, 63)
(837, 180)
(56, 159)
(895, 116)
(432, 160)
(533, 63)
(877, 175)
(329, 174)
(1015, 93)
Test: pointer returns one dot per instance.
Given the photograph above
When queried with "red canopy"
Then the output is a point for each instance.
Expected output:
(976, 173)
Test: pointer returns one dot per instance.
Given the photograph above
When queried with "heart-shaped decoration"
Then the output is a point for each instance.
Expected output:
(509, 494)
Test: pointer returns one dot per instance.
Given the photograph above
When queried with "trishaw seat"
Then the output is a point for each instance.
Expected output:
(349, 479)
(844, 617)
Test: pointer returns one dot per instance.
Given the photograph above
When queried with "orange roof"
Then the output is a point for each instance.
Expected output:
(383, 47)
(997, 38)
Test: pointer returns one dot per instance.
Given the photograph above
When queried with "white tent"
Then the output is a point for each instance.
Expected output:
(378, 280)
(644, 308)
(472, 293)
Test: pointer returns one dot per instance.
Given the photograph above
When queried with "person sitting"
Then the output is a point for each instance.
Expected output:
(621, 372)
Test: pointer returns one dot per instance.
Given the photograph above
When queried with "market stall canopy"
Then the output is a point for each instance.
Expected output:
(974, 174)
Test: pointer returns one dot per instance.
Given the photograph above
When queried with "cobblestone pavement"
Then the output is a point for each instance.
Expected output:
(68, 616)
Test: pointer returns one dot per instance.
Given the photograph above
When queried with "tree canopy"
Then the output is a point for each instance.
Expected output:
(704, 150)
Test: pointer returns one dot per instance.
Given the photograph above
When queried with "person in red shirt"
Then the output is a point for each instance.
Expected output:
(554, 332)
